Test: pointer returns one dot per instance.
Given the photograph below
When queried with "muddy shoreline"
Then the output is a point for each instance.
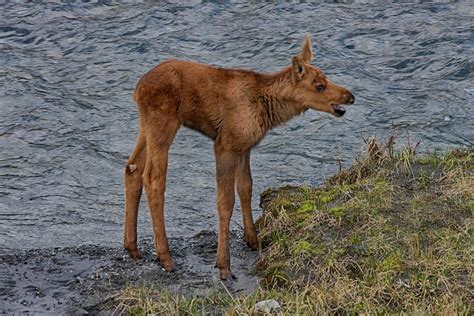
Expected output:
(87, 278)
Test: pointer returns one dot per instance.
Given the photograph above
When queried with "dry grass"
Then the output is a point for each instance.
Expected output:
(152, 300)
(391, 234)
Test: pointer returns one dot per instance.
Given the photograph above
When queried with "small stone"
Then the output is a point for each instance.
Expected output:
(267, 306)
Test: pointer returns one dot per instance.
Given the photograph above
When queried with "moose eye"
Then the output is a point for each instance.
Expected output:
(320, 87)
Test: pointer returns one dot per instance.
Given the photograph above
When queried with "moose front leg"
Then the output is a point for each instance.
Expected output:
(244, 188)
(226, 164)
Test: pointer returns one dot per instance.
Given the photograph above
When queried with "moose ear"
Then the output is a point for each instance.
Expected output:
(298, 67)
(306, 51)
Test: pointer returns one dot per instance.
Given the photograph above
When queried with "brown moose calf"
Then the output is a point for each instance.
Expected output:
(235, 108)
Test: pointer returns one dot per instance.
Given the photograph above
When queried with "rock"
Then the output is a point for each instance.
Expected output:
(267, 306)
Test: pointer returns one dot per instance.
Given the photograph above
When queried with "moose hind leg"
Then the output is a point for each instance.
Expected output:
(133, 192)
(160, 135)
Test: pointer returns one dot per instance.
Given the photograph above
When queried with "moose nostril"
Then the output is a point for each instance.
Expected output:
(350, 97)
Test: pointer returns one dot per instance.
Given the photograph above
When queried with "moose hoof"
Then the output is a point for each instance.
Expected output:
(134, 254)
(168, 264)
(226, 274)
(252, 241)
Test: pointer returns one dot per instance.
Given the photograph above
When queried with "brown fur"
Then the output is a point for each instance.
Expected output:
(235, 108)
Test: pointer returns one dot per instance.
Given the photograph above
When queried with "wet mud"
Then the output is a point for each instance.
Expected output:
(86, 279)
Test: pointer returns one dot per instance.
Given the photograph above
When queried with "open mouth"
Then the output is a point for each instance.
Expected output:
(338, 109)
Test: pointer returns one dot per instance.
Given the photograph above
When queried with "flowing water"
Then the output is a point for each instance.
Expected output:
(68, 121)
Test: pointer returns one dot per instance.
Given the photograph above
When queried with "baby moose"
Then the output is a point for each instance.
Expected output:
(233, 107)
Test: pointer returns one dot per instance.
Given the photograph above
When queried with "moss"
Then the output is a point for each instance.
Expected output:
(390, 263)
(338, 211)
(306, 206)
(303, 247)
(326, 196)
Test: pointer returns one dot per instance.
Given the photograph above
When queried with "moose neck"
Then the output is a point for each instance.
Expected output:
(275, 107)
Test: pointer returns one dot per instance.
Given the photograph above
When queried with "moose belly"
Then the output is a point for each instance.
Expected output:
(202, 126)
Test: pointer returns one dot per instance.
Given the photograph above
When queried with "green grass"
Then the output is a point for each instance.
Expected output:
(391, 234)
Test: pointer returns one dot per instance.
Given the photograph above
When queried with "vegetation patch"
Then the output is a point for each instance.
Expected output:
(391, 234)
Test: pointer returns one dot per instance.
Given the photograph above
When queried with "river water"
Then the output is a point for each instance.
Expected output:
(68, 121)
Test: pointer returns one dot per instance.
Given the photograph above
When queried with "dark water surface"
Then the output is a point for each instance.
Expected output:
(68, 122)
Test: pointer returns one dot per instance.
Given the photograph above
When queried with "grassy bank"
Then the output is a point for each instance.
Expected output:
(391, 234)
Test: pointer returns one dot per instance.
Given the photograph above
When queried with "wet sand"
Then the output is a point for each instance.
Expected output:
(85, 279)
